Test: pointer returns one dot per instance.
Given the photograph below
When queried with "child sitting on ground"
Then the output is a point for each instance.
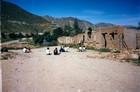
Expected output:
(56, 51)
(48, 51)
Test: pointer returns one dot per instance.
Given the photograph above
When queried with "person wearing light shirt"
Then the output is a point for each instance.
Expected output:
(48, 51)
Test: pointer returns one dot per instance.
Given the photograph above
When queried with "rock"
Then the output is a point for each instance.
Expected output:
(128, 56)
(134, 56)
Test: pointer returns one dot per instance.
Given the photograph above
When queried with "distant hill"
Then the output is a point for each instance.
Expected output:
(69, 20)
(16, 19)
(132, 27)
(103, 24)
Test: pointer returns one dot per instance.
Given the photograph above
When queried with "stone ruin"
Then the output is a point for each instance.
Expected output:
(114, 38)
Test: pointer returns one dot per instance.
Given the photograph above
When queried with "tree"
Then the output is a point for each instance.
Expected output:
(12, 36)
(27, 35)
(32, 34)
(89, 32)
(38, 39)
(139, 25)
(76, 27)
(48, 37)
(20, 35)
(46, 34)
(67, 30)
(3, 35)
(58, 32)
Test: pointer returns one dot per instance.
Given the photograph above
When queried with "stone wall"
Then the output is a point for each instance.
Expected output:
(71, 40)
(116, 37)
(78, 39)
(65, 40)
(130, 38)
(138, 39)
(109, 37)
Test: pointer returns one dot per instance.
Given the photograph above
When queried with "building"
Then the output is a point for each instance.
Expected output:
(116, 37)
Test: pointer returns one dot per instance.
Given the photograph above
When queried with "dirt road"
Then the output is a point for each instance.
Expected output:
(68, 72)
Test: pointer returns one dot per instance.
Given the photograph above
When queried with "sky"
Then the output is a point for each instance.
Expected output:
(119, 12)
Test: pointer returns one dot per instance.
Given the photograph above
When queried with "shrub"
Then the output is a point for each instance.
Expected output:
(104, 50)
(134, 61)
(4, 49)
(90, 48)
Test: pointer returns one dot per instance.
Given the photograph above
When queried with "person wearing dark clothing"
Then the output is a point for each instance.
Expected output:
(62, 49)
(56, 51)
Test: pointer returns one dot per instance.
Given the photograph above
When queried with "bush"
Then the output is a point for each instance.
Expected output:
(104, 50)
(30, 42)
(4, 49)
(38, 39)
(134, 61)
(90, 48)
(52, 43)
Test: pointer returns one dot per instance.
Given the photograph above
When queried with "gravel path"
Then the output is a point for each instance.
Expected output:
(68, 72)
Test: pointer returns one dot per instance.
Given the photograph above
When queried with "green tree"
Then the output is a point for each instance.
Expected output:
(3, 35)
(27, 35)
(76, 27)
(32, 34)
(38, 39)
(139, 25)
(89, 32)
(20, 35)
(67, 30)
(47, 36)
(12, 36)
(58, 32)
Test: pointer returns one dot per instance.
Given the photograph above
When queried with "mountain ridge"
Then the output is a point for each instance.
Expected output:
(16, 19)
(69, 21)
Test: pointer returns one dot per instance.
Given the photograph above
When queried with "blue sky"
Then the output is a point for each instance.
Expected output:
(120, 12)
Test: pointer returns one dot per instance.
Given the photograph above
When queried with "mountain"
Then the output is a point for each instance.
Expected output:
(103, 24)
(16, 19)
(69, 21)
(132, 27)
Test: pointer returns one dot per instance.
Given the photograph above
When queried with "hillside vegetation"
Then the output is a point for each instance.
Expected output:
(69, 21)
(16, 19)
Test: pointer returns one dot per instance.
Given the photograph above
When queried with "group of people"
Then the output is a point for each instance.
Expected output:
(64, 49)
(55, 52)
(82, 49)
(26, 50)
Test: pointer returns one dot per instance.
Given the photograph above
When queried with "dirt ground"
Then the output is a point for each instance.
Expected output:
(69, 72)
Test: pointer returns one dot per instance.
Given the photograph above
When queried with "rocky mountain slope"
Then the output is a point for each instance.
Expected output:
(16, 19)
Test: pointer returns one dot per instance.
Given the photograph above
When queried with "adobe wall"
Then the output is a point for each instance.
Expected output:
(65, 40)
(138, 39)
(71, 40)
(78, 38)
(116, 37)
(87, 39)
(130, 38)
(109, 37)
